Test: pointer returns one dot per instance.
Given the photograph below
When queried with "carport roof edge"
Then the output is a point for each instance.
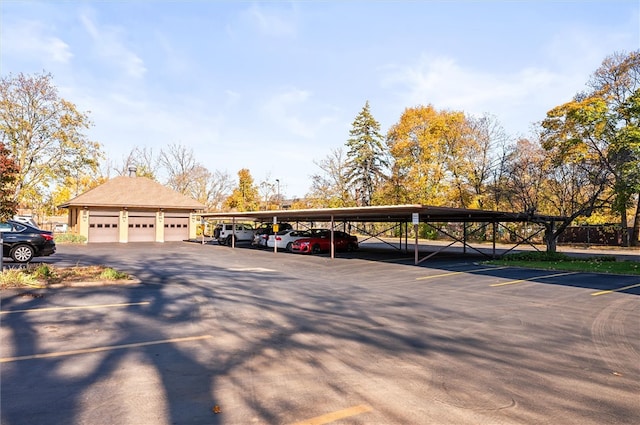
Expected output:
(385, 213)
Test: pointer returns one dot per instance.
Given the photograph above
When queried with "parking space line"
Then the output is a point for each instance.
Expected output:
(334, 416)
(100, 349)
(83, 307)
(609, 291)
(460, 272)
(530, 279)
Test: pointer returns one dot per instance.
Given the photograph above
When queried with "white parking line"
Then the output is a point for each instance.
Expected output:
(530, 279)
(100, 349)
(83, 307)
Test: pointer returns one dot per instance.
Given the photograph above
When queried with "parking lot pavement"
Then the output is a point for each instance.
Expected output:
(215, 335)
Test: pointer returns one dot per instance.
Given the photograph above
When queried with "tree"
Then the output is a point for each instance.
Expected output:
(45, 135)
(424, 146)
(330, 188)
(179, 163)
(630, 141)
(8, 175)
(526, 170)
(219, 186)
(481, 161)
(144, 161)
(366, 156)
(595, 132)
(245, 196)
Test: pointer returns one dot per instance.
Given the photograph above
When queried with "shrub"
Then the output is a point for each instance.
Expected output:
(536, 256)
(69, 238)
(17, 277)
(112, 274)
(43, 271)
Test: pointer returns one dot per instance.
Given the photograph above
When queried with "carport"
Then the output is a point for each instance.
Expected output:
(400, 216)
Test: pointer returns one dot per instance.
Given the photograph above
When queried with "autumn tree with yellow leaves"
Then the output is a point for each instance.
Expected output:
(245, 196)
(45, 135)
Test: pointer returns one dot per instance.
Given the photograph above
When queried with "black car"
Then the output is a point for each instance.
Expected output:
(22, 242)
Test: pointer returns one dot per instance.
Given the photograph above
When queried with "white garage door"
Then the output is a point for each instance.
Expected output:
(142, 227)
(176, 227)
(103, 226)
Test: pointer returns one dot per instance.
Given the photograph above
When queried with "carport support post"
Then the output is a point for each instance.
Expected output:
(275, 240)
(415, 245)
(233, 232)
(464, 237)
(493, 238)
(332, 247)
(1, 253)
(415, 219)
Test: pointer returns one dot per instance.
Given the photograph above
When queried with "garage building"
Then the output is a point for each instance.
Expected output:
(133, 209)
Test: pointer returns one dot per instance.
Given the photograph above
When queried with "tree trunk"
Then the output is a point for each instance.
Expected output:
(550, 237)
(635, 233)
(624, 228)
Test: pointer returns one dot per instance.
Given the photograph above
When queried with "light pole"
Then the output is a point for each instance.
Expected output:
(278, 192)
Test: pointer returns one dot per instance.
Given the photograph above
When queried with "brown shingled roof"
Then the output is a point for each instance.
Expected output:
(132, 192)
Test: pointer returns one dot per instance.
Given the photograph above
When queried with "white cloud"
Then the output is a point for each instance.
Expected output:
(517, 98)
(272, 22)
(284, 109)
(34, 40)
(112, 49)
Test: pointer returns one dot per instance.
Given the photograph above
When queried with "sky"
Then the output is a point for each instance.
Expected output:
(275, 86)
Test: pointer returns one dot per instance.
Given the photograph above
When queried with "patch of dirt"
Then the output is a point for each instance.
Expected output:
(50, 276)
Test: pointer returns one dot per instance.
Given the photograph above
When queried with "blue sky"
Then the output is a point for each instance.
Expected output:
(273, 86)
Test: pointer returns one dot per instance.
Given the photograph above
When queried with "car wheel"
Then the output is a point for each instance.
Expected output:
(289, 245)
(315, 249)
(229, 240)
(22, 253)
(352, 247)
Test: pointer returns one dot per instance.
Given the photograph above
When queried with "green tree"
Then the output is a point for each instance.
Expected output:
(595, 132)
(8, 176)
(245, 196)
(629, 139)
(45, 135)
(366, 156)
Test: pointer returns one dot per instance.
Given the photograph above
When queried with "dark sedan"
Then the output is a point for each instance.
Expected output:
(321, 241)
(22, 242)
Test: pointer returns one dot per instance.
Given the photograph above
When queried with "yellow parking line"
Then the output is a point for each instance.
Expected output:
(84, 307)
(615, 290)
(454, 273)
(334, 416)
(513, 282)
(100, 349)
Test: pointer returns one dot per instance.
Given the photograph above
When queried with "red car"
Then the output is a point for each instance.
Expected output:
(320, 240)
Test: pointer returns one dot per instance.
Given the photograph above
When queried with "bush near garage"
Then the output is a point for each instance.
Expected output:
(69, 238)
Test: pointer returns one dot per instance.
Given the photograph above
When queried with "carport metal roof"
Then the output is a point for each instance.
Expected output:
(384, 214)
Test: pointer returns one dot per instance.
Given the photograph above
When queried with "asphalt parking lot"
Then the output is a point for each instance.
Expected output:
(215, 335)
